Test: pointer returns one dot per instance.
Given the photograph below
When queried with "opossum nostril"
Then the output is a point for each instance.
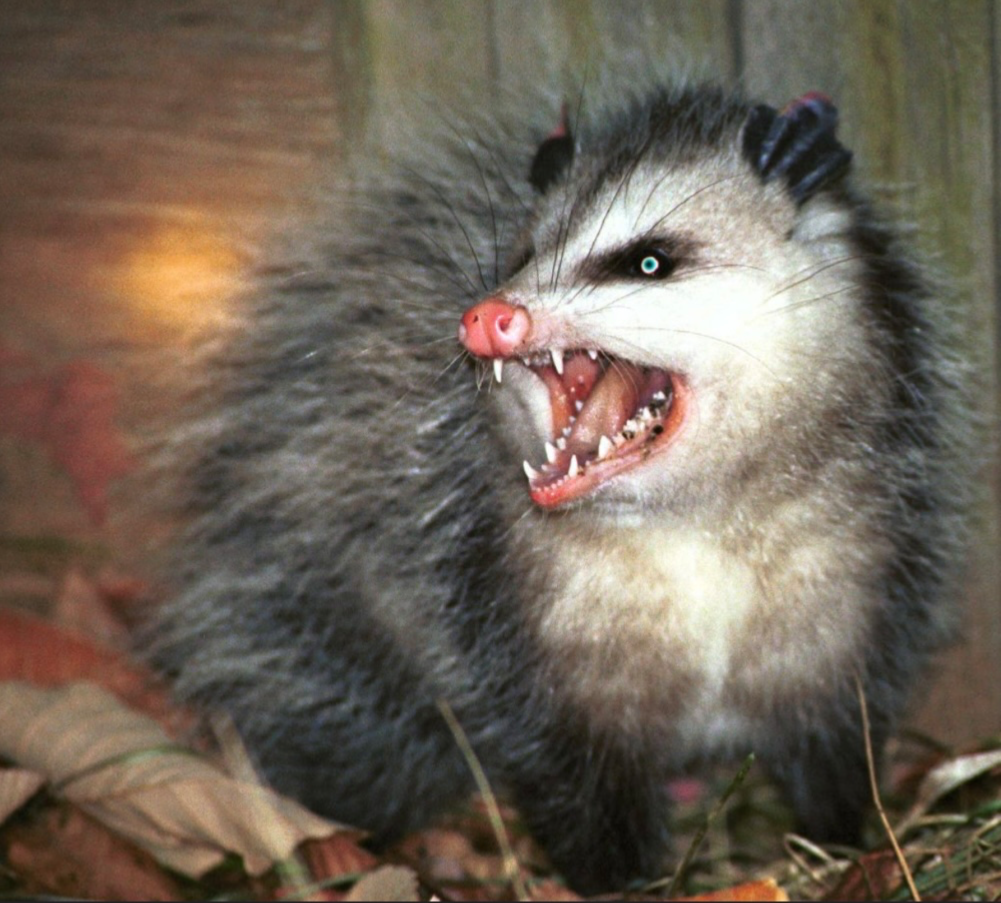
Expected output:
(494, 328)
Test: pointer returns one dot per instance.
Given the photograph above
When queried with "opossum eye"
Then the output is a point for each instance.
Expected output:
(647, 259)
(651, 264)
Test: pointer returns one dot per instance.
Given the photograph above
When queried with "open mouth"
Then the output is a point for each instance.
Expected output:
(609, 415)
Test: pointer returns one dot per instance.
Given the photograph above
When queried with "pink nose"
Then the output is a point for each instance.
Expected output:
(494, 328)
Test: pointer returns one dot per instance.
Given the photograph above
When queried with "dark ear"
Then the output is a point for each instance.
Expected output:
(797, 145)
(554, 156)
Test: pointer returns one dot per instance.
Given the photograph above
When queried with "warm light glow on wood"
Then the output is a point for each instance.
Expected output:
(182, 276)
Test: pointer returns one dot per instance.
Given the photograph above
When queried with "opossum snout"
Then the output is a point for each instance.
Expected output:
(494, 328)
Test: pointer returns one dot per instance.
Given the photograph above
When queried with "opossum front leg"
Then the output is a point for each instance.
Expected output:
(826, 779)
(600, 815)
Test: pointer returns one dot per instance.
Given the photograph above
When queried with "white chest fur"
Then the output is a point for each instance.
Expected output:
(669, 629)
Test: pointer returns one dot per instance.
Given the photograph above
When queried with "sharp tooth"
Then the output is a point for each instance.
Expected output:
(604, 447)
(550, 453)
(498, 368)
(557, 357)
(591, 353)
(527, 361)
(659, 397)
(572, 469)
(561, 443)
(578, 405)
(530, 471)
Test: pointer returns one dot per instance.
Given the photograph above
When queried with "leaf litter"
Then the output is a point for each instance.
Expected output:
(123, 796)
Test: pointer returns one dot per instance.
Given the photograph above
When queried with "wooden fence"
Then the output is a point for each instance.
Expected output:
(146, 144)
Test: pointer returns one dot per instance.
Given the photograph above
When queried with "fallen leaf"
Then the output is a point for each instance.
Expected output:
(121, 768)
(34, 650)
(390, 882)
(337, 855)
(71, 413)
(766, 891)
(66, 853)
(945, 778)
(872, 877)
(551, 890)
(17, 786)
(80, 605)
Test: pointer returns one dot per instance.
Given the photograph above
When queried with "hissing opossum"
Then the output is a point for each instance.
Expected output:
(687, 473)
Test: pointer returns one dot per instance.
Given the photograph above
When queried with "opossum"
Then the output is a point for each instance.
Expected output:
(626, 431)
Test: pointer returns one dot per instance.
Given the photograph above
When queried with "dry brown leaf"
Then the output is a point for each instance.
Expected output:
(337, 855)
(81, 606)
(66, 853)
(390, 882)
(872, 877)
(17, 786)
(121, 768)
(766, 891)
(551, 890)
(35, 650)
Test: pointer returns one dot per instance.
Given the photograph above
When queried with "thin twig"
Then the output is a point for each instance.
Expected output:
(511, 870)
(874, 784)
(700, 835)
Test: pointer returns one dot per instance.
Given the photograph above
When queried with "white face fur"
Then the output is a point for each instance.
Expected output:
(761, 323)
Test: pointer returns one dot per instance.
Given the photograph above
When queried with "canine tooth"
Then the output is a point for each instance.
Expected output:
(591, 353)
(527, 361)
(659, 397)
(498, 368)
(550, 453)
(572, 469)
(561, 443)
(604, 447)
(557, 357)
(530, 471)
(578, 405)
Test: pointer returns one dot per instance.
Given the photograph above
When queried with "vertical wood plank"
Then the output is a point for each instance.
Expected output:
(565, 42)
(432, 57)
(143, 146)
(789, 47)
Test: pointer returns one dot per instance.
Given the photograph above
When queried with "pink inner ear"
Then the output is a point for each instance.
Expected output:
(563, 129)
(809, 99)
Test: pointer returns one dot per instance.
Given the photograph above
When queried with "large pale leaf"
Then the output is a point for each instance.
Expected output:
(945, 778)
(17, 786)
(121, 768)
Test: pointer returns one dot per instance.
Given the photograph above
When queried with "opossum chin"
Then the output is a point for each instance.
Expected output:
(608, 416)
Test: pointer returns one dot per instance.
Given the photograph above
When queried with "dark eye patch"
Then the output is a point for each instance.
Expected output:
(645, 259)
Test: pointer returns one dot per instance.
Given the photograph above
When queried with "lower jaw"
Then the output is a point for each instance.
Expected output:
(594, 475)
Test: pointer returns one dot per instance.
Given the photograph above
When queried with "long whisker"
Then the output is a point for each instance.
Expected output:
(566, 221)
(456, 219)
(811, 273)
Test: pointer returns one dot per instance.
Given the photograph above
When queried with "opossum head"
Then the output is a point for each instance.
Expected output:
(683, 310)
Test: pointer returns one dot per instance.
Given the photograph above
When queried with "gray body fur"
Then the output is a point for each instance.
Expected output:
(362, 543)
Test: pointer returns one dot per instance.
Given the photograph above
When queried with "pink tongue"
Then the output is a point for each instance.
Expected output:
(612, 402)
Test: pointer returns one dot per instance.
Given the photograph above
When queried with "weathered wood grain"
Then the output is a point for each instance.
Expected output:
(147, 146)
